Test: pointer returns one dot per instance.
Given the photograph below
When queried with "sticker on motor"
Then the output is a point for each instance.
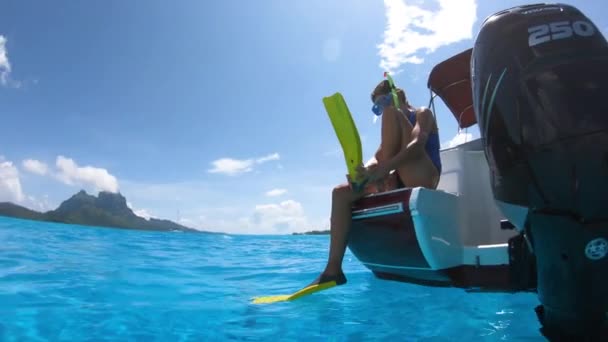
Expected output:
(559, 30)
(596, 249)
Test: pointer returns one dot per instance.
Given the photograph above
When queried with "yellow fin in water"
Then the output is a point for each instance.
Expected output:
(346, 131)
(301, 293)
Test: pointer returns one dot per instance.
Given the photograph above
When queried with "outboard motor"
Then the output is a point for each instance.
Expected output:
(540, 93)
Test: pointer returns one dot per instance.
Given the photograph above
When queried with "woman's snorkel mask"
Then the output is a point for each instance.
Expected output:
(385, 100)
(381, 102)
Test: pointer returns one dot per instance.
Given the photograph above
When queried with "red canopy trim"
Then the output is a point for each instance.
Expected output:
(451, 81)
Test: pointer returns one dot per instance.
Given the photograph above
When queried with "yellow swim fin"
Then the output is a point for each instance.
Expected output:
(346, 131)
(301, 293)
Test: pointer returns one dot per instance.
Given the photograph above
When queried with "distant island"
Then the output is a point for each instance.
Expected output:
(106, 210)
(314, 232)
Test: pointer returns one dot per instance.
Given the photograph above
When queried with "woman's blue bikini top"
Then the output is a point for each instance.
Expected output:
(432, 143)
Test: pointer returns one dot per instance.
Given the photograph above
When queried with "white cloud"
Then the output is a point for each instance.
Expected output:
(229, 166)
(10, 184)
(276, 192)
(143, 213)
(285, 217)
(281, 218)
(35, 166)
(70, 173)
(38, 204)
(270, 157)
(5, 65)
(459, 138)
(412, 31)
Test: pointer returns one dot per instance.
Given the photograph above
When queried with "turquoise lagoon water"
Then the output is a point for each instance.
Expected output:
(73, 283)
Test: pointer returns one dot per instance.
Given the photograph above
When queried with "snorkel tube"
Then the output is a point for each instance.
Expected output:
(393, 88)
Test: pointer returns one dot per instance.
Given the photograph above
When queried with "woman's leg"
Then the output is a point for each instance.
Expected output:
(341, 203)
(420, 172)
(398, 136)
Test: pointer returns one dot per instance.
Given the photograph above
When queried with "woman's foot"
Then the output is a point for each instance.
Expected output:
(324, 277)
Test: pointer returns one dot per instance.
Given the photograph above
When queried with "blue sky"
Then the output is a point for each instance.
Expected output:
(210, 113)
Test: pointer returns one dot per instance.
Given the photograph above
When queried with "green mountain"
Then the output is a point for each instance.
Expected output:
(106, 210)
(13, 210)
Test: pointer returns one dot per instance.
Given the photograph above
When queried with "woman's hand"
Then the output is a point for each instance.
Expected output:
(372, 173)
(362, 172)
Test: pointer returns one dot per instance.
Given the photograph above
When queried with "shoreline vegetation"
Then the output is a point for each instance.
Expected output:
(106, 210)
(314, 232)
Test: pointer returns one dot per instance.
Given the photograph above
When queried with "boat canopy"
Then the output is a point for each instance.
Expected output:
(451, 81)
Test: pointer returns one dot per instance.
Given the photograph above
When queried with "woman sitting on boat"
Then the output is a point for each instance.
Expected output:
(409, 146)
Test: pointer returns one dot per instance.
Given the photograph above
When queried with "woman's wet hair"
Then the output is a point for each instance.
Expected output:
(383, 88)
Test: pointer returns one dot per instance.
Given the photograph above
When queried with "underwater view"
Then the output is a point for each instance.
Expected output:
(72, 283)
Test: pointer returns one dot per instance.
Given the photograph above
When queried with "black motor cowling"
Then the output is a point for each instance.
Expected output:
(540, 92)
